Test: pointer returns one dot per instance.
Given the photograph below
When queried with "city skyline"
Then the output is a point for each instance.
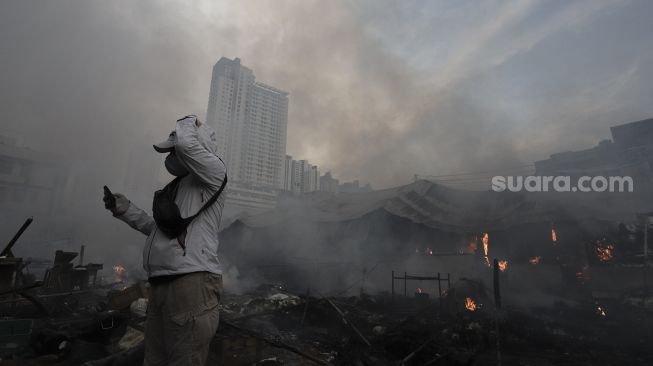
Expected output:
(250, 119)
(415, 88)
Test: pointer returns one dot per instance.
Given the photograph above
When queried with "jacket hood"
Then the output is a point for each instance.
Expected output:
(207, 138)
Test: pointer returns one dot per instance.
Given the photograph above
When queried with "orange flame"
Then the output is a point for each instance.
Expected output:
(554, 236)
(486, 247)
(535, 260)
(429, 251)
(470, 304)
(604, 251)
(503, 265)
(118, 272)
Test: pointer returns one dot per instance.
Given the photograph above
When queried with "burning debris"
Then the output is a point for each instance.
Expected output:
(503, 265)
(119, 272)
(604, 250)
(600, 311)
(426, 251)
(605, 253)
(535, 260)
(486, 246)
(470, 304)
(272, 323)
(415, 322)
(269, 323)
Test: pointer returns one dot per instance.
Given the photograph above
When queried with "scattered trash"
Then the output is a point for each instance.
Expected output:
(138, 307)
(130, 339)
(121, 300)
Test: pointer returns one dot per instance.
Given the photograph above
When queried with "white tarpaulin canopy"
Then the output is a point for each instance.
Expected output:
(437, 206)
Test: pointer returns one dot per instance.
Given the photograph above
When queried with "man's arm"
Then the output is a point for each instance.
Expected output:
(202, 163)
(138, 219)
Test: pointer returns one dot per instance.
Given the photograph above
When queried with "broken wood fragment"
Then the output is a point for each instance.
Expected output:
(344, 319)
(274, 342)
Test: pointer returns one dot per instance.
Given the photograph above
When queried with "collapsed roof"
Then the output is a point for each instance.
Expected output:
(440, 207)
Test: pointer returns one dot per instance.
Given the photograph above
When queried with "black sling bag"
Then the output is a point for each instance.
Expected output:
(166, 212)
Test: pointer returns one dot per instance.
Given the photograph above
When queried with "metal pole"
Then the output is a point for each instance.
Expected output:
(393, 286)
(497, 290)
(81, 256)
(405, 285)
(439, 286)
(497, 302)
(363, 283)
(7, 250)
(308, 293)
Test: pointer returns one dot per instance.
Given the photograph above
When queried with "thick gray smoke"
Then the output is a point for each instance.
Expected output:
(378, 91)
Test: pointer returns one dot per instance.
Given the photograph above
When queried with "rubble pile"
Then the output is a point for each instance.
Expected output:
(270, 326)
(597, 316)
(444, 333)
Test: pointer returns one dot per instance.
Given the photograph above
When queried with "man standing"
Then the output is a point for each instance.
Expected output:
(184, 271)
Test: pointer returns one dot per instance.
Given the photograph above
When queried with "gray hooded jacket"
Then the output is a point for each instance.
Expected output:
(196, 148)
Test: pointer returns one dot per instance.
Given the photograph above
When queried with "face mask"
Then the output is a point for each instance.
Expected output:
(175, 166)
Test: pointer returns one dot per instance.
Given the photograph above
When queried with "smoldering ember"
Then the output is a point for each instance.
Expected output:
(370, 183)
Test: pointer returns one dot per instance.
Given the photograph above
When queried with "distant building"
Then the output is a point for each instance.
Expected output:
(35, 184)
(349, 187)
(250, 119)
(353, 187)
(329, 184)
(299, 168)
(287, 173)
(313, 179)
(300, 176)
(630, 153)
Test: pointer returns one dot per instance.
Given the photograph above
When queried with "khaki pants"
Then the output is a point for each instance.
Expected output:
(182, 318)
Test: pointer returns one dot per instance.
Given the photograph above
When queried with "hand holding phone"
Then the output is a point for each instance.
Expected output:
(109, 199)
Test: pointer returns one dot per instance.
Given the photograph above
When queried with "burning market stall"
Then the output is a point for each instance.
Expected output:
(332, 240)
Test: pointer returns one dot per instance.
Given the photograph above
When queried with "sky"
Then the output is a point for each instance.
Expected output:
(379, 90)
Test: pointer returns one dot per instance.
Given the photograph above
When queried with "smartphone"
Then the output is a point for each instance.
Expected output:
(109, 198)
